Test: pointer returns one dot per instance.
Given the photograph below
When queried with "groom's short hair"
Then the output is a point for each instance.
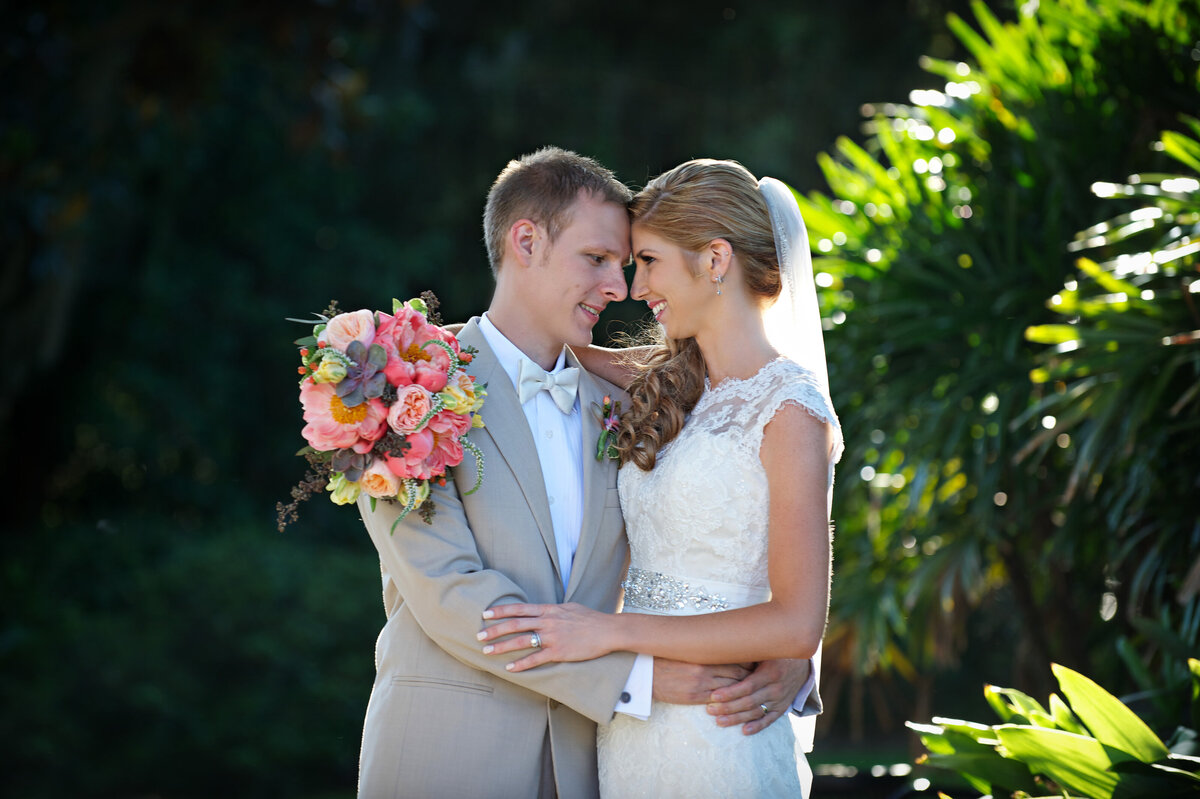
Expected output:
(541, 186)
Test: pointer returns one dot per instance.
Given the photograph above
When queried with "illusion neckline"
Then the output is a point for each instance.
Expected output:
(737, 381)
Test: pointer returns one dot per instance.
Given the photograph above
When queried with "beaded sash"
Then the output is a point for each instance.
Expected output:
(668, 595)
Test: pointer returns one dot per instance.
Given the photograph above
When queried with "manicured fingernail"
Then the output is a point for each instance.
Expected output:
(509, 667)
(487, 614)
(479, 636)
(487, 650)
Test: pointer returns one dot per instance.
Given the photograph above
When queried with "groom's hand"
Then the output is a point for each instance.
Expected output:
(773, 685)
(679, 683)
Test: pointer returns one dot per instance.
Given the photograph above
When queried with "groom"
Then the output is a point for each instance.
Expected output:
(445, 720)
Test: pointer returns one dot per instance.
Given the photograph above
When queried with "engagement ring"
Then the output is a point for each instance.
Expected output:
(765, 710)
(535, 641)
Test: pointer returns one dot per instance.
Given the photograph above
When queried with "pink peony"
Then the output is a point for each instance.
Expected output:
(447, 428)
(412, 404)
(451, 423)
(412, 462)
(402, 336)
(347, 327)
(331, 425)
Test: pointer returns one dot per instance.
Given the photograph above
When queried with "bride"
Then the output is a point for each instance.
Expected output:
(727, 460)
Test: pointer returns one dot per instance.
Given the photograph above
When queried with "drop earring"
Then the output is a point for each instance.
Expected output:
(718, 280)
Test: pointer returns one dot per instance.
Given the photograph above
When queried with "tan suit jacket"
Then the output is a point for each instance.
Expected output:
(445, 720)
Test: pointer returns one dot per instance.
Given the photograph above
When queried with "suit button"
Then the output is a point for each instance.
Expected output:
(554, 704)
(625, 697)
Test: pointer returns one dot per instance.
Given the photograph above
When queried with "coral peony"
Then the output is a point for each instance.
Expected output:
(410, 359)
(447, 450)
(412, 463)
(332, 425)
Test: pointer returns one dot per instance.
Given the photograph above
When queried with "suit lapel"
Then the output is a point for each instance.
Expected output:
(505, 423)
(595, 473)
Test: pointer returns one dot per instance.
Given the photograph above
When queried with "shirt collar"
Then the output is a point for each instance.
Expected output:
(508, 354)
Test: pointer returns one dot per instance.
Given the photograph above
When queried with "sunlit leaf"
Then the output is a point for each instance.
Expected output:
(1108, 719)
(1078, 762)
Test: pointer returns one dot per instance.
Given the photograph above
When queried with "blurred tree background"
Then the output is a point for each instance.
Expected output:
(180, 177)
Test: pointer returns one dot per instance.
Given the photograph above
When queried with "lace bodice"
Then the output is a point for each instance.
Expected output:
(697, 526)
(702, 511)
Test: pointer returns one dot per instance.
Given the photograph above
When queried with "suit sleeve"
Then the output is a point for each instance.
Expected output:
(438, 570)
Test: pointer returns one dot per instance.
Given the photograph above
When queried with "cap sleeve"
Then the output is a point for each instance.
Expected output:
(793, 384)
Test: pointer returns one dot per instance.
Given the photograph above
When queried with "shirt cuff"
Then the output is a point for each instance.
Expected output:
(799, 705)
(639, 689)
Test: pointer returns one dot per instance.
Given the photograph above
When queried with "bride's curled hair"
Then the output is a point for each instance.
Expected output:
(689, 206)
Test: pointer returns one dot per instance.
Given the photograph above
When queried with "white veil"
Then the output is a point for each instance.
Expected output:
(793, 326)
(793, 323)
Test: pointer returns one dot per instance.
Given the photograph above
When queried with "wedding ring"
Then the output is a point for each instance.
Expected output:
(535, 640)
(765, 710)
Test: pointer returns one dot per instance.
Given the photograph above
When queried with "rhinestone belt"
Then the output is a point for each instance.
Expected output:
(664, 593)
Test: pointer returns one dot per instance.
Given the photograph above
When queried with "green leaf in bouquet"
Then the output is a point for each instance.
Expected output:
(1108, 719)
(317, 455)
(307, 341)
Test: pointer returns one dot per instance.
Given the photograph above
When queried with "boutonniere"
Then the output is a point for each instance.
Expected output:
(608, 415)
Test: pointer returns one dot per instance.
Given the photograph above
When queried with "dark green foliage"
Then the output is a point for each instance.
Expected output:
(946, 236)
(185, 662)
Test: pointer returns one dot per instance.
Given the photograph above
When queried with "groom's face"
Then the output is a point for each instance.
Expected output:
(574, 277)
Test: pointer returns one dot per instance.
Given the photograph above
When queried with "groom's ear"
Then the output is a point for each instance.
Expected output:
(522, 240)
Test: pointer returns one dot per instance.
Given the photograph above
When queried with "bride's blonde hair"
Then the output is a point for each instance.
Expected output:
(689, 206)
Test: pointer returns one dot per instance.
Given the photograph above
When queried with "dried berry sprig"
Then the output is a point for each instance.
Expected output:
(313, 483)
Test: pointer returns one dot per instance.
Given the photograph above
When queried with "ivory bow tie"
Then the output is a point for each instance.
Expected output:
(561, 385)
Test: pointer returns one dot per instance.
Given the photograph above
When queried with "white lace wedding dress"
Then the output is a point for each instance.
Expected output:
(697, 526)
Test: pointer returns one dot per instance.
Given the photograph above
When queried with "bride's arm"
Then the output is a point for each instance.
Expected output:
(790, 625)
(614, 365)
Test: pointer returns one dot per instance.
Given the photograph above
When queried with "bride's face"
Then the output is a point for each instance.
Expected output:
(671, 281)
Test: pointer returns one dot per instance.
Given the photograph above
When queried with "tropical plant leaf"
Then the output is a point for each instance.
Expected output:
(1108, 719)
(987, 772)
(1077, 762)
(1011, 704)
(1063, 717)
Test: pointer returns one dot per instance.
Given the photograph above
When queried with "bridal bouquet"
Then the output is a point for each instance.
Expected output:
(387, 406)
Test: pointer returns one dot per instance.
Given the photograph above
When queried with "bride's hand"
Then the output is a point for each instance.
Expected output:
(564, 632)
